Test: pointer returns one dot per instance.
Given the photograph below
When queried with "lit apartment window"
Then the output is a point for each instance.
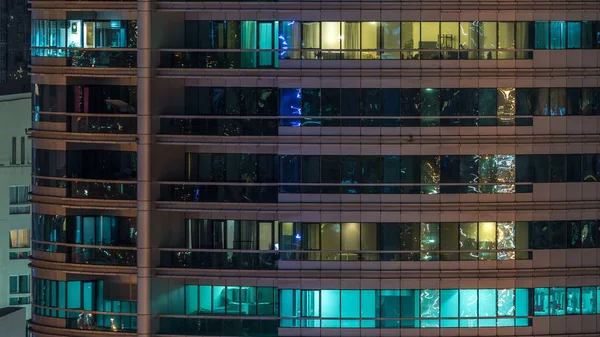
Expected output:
(19, 284)
(18, 199)
(19, 238)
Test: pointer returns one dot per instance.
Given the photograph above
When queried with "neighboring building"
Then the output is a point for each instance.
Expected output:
(396, 168)
(15, 211)
(13, 322)
(15, 20)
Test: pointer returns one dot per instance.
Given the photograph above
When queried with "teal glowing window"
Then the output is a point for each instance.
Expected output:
(406, 308)
(228, 300)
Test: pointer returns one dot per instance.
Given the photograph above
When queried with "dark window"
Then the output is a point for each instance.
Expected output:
(350, 107)
(390, 102)
(527, 101)
(573, 167)
(330, 106)
(540, 234)
(541, 168)
(311, 102)
(310, 166)
(573, 234)
(590, 167)
(558, 234)
(330, 169)
(558, 168)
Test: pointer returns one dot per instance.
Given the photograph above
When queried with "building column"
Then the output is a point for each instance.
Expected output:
(145, 268)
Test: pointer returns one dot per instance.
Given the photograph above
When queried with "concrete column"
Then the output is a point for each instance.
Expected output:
(145, 267)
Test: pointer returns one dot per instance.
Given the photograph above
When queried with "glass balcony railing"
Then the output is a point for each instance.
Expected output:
(219, 59)
(269, 260)
(90, 320)
(91, 189)
(218, 327)
(269, 58)
(264, 193)
(268, 125)
(90, 254)
(264, 260)
(102, 58)
(258, 126)
(91, 123)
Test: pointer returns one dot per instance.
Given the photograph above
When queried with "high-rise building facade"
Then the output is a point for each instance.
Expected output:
(414, 168)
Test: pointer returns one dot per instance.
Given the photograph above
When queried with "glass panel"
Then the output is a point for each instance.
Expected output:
(558, 36)
(469, 40)
(390, 40)
(390, 308)
(350, 39)
(430, 39)
(349, 308)
(330, 308)
(505, 236)
(430, 241)
(588, 300)
(542, 35)
(506, 40)
(449, 308)
(573, 301)
(430, 308)
(506, 106)
(468, 240)
(449, 234)
(411, 39)
(487, 307)
(557, 301)
(311, 40)
(488, 40)
(487, 240)
(449, 40)
(369, 303)
(468, 307)
(574, 35)
(290, 39)
(330, 240)
(331, 37)
(370, 40)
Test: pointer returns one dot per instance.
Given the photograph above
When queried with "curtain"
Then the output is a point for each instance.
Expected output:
(574, 35)
(248, 38)
(522, 40)
(558, 38)
(290, 39)
(350, 40)
(542, 35)
(311, 39)
(265, 41)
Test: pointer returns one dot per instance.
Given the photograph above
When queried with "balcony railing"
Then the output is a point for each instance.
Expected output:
(89, 319)
(102, 58)
(91, 57)
(269, 58)
(91, 188)
(263, 327)
(91, 123)
(270, 260)
(90, 254)
(210, 125)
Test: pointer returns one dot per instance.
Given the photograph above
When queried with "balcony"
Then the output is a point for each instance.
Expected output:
(85, 122)
(85, 188)
(84, 254)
